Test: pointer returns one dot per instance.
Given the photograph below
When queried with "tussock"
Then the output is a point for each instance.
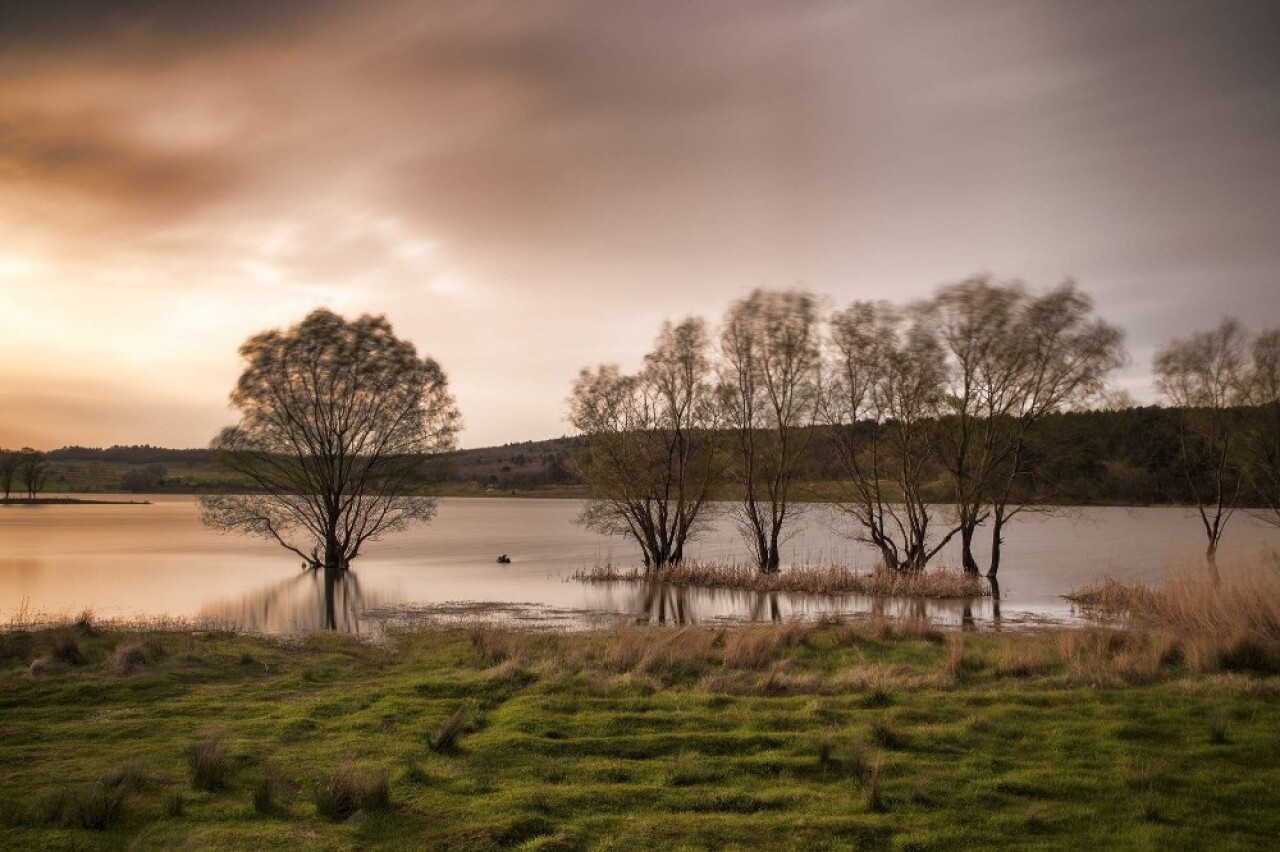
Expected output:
(210, 764)
(347, 789)
(132, 656)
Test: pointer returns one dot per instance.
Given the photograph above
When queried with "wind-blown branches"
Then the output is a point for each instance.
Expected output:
(770, 387)
(1014, 358)
(337, 419)
(650, 458)
(882, 399)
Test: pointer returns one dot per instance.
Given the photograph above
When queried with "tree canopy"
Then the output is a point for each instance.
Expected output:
(336, 419)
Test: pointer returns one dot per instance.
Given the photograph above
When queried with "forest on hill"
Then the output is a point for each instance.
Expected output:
(1127, 456)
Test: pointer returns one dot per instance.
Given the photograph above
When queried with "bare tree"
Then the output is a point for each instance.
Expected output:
(9, 461)
(770, 385)
(1015, 358)
(336, 419)
(33, 469)
(1063, 356)
(650, 458)
(1262, 437)
(882, 401)
(976, 322)
(1206, 377)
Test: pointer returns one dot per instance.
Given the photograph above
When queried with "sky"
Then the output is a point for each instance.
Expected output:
(528, 188)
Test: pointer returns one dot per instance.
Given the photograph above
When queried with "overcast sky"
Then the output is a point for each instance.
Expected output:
(527, 188)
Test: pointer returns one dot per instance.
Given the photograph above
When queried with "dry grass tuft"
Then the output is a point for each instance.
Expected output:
(686, 652)
(756, 648)
(510, 671)
(1023, 660)
(1229, 625)
(955, 654)
(495, 644)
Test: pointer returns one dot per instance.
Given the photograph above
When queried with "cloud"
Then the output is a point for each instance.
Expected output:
(528, 188)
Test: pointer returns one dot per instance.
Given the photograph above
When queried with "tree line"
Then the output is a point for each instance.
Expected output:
(988, 397)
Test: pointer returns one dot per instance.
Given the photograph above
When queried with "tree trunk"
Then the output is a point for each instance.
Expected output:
(330, 614)
(1211, 556)
(966, 548)
(997, 539)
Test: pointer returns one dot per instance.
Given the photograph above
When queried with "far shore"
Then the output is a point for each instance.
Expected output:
(63, 501)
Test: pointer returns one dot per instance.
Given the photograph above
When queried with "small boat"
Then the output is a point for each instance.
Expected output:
(504, 559)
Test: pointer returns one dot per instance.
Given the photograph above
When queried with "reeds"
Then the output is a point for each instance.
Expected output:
(1243, 605)
(806, 579)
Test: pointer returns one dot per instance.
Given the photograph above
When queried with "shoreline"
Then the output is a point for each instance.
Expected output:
(68, 501)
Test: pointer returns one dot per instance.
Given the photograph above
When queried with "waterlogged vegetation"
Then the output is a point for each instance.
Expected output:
(801, 578)
(875, 734)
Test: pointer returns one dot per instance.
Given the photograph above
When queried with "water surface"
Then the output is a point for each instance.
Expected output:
(157, 559)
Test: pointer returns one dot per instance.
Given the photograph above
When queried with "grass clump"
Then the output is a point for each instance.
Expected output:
(98, 806)
(210, 764)
(446, 737)
(886, 735)
(339, 794)
(871, 786)
(129, 657)
(66, 649)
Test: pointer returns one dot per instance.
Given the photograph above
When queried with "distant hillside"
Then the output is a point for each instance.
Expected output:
(1098, 457)
(528, 465)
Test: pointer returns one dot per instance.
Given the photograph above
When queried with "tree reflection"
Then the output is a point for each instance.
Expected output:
(308, 601)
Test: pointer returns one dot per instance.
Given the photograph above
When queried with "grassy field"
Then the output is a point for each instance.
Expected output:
(874, 735)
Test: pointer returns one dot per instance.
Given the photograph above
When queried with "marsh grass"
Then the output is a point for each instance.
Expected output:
(1243, 605)
(804, 578)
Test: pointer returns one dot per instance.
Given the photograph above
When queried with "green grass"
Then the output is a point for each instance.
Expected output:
(824, 737)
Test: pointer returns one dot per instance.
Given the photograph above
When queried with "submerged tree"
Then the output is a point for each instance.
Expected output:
(1063, 356)
(336, 420)
(1014, 358)
(650, 458)
(770, 385)
(882, 401)
(1206, 376)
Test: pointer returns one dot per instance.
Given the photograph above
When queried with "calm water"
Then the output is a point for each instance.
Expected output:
(157, 559)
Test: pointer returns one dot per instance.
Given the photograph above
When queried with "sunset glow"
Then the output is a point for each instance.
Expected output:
(526, 188)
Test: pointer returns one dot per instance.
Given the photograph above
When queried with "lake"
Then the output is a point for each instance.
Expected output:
(154, 560)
